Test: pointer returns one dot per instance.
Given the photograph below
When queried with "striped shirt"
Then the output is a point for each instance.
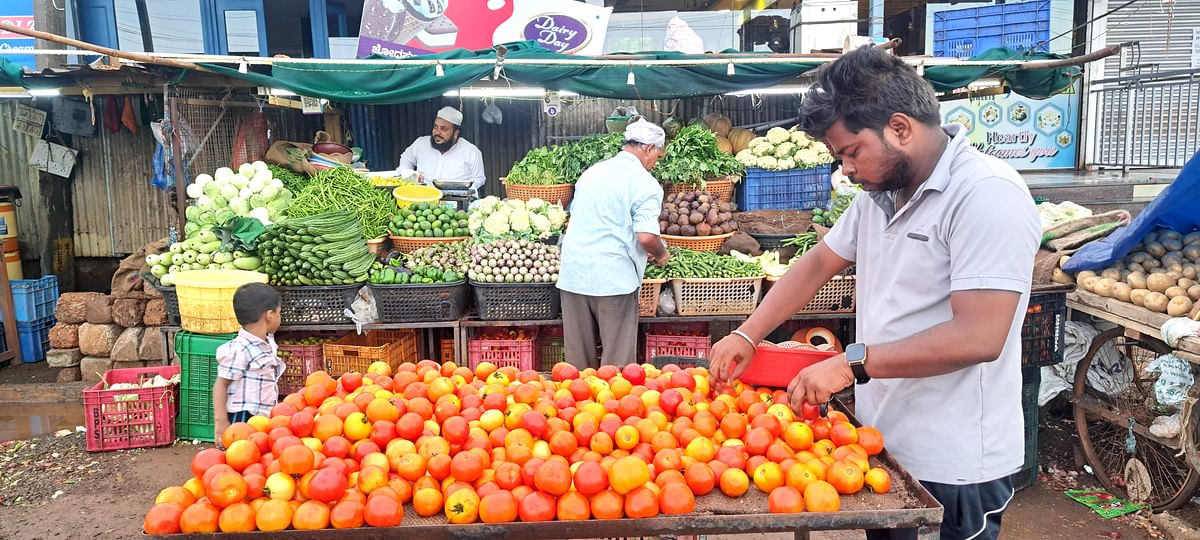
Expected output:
(252, 367)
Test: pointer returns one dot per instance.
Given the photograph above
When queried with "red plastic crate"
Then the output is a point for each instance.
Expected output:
(518, 353)
(134, 417)
(777, 366)
(677, 328)
(668, 345)
(301, 360)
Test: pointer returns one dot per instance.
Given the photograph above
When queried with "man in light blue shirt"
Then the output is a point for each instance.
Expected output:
(614, 230)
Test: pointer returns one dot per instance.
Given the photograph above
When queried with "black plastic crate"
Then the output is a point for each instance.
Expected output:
(768, 242)
(1043, 331)
(420, 303)
(516, 301)
(1031, 380)
(316, 305)
(169, 296)
(681, 361)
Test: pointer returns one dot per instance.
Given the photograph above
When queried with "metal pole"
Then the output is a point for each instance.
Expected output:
(1127, 150)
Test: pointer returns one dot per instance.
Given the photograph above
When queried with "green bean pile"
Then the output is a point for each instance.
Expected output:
(802, 242)
(686, 263)
(342, 189)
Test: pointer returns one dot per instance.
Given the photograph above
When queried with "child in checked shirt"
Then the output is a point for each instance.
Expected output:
(249, 365)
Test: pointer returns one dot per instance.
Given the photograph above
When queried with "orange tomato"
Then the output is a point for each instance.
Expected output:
(700, 479)
(821, 496)
(462, 506)
(607, 504)
(274, 515)
(785, 500)
(573, 506)
(383, 511)
(768, 476)
(498, 507)
(553, 477)
(226, 488)
(641, 503)
(800, 476)
(311, 516)
(846, 477)
(843, 433)
(537, 506)
(163, 518)
(734, 482)
(347, 515)
(427, 502)
(590, 478)
(870, 439)
(200, 517)
(878, 480)
(676, 498)
(627, 474)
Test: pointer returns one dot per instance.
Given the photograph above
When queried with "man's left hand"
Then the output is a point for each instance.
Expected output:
(818, 383)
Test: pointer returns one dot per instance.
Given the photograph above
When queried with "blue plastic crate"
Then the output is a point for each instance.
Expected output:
(35, 339)
(34, 299)
(963, 33)
(798, 189)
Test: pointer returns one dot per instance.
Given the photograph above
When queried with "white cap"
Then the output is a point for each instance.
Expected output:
(450, 114)
(646, 133)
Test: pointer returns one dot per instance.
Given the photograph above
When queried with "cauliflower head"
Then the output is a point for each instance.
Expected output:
(557, 216)
(768, 162)
(777, 135)
(785, 149)
(801, 139)
(763, 149)
(534, 204)
(488, 204)
(820, 147)
(541, 224)
(515, 204)
(496, 224)
(747, 158)
(785, 164)
(519, 221)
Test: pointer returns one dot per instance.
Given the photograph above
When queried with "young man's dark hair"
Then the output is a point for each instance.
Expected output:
(864, 89)
(252, 300)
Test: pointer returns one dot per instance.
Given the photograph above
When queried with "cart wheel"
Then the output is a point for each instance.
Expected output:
(1109, 425)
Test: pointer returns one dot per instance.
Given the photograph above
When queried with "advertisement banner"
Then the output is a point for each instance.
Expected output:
(17, 13)
(403, 28)
(1028, 134)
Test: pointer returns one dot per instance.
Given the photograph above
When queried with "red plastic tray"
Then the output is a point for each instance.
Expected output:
(775, 367)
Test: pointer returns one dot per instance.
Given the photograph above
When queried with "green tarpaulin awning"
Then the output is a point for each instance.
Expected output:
(415, 79)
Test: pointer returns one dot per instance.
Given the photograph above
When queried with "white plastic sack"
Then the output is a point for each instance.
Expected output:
(363, 311)
(681, 38)
(1178, 328)
(1174, 379)
(666, 301)
(1110, 371)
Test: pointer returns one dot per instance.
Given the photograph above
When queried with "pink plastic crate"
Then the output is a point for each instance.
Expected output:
(301, 360)
(131, 418)
(518, 353)
(668, 345)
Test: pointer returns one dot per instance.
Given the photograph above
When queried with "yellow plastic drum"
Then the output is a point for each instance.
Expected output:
(206, 299)
(407, 195)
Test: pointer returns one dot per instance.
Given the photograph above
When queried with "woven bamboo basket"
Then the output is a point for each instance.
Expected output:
(408, 244)
(697, 243)
(557, 193)
(648, 297)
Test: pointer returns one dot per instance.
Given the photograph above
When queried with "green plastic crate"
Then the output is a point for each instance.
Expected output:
(551, 352)
(195, 419)
(1031, 379)
(198, 361)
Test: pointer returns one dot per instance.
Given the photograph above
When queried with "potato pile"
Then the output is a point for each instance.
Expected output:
(1160, 274)
(695, 213)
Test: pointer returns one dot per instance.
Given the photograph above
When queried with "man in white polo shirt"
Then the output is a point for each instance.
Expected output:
(944, 239)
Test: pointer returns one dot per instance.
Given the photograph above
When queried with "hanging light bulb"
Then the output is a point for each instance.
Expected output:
(438, 71)
(729, 70)
(630, 80)
(243, 67)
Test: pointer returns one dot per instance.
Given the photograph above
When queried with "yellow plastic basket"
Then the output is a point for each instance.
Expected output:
(409, 195)
(206, 299)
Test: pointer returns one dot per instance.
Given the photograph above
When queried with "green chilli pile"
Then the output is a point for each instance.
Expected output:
(343, 189)
(323, 249)
(686, 263)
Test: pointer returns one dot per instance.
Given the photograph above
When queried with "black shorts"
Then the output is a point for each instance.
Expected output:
(972, 512)
(240, 416)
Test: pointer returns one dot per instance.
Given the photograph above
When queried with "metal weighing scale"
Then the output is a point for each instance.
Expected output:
(456, 192)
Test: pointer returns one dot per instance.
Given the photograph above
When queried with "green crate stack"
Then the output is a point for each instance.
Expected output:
(197, 355)
(551, 352)
(1031, 379)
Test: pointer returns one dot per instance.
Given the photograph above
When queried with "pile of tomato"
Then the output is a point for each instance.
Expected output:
(497, 445)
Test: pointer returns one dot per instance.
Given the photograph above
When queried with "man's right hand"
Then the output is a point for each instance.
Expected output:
(729, 359)
(662, 261)
(219, 427)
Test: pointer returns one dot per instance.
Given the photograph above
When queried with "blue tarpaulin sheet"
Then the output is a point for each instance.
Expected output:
(1177, 207)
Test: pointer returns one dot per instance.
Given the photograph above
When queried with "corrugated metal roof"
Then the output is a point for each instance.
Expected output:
(15, 170)
(116, 209)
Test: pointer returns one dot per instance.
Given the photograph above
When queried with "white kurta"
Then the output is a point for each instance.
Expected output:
(462, 162)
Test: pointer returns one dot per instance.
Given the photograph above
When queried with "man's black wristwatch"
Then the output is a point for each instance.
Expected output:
(856, 356)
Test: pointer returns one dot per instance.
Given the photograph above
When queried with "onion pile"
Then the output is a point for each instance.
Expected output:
(514, 261)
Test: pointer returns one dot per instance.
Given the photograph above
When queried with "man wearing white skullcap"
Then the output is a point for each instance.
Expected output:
(443, 155)
(614, 230)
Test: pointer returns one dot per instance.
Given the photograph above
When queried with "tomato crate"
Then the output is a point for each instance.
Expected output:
(357, 352)
(1042, 331)
(677, 345)
(195, 419)
(551, 350)
(518, 353)
(447, 350)
(302, 359)
(198, 359)
(120, 419)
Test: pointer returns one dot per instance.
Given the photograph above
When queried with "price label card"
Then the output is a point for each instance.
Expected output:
(29, 120)
(53, 158)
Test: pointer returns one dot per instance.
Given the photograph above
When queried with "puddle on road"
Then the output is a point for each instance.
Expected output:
(25, 420)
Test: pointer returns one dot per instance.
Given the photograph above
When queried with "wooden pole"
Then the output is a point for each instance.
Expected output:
(127, 55)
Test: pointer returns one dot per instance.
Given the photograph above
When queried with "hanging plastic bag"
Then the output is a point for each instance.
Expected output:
(250, 144)
(666, 302)
(363, 311)
(1174, 379)
(161, 174)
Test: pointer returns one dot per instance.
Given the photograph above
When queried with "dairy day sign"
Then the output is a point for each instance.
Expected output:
(1026, 133)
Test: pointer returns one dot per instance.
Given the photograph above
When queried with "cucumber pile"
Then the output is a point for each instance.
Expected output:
(323, 249)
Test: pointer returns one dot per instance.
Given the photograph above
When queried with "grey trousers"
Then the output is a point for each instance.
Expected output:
(616, 319)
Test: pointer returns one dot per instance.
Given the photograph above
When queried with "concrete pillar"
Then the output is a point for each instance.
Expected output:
(49, 18)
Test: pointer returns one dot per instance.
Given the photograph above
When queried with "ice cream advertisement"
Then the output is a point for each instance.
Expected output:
(403, 28)
(20, 13)
(1029, 134)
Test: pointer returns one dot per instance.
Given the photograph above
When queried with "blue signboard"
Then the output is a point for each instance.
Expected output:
(1029, 134)
(18, 13)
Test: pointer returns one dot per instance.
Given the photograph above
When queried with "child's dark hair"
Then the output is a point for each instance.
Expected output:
(252, 300)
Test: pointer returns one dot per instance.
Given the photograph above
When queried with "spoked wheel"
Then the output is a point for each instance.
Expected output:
(1114, 428)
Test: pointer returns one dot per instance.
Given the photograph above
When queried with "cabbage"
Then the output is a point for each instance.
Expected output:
(224, 175)
(239, 181)
(260, 166)
(193, 213)
(218, 202)
(223, 216)
(239, 206)
(276, 183)
(190, 228)
(245, 193)
(261, 214)
(269, 192)
(194, 191)
(258, 201)
(229, 191)
(255, 185)
(212, 188)
(203, 179)
(247, 170)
